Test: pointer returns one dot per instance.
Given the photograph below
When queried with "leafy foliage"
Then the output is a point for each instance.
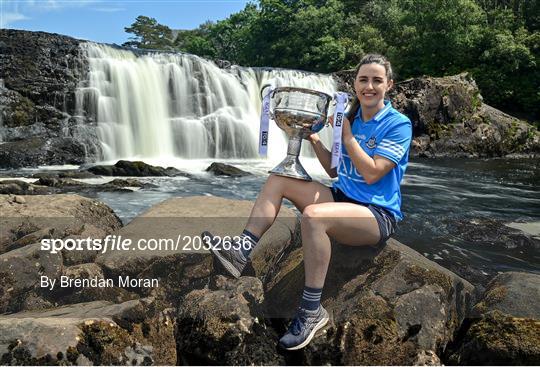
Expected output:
(149, 34)
(498, 41)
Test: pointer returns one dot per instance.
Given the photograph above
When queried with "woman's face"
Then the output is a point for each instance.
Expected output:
(371, 85)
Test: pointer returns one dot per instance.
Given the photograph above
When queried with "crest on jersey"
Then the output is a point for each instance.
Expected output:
(371, 143)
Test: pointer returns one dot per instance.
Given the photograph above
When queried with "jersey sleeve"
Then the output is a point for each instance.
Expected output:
(395, 143)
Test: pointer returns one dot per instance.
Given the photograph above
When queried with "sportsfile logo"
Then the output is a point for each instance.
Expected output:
(339, 119)
(264, 138)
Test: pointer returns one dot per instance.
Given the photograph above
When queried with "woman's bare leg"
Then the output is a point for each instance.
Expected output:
(347, 223)
(300, 193)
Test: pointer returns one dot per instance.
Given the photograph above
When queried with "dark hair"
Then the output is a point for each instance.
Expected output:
(376, 59)
(369, 59)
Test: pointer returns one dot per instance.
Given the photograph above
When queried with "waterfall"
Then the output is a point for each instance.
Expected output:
(163, 105)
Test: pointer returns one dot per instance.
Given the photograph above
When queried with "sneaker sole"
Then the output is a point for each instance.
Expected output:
(226, 264)
(317, 327)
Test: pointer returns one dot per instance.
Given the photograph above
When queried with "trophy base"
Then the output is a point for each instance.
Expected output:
(291, 167)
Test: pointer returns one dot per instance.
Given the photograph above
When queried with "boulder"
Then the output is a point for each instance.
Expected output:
(38, 151)
(512, 293)
(63, 214)
(391, 306)
(20, 274)
(222, 169)
(505, 327)
(184, 264)
(135, 169)
(70, 185)
(223, 324)
(51, 61)
(40, 73)
(19, 187)
(70, 295)
(95, 333)
(24, 226)
(450, 119)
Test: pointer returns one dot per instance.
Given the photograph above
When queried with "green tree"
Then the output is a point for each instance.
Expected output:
(527, 12)
(197, 41)
(506, 68)
(433, 37)
(149, 34)
(232, 38)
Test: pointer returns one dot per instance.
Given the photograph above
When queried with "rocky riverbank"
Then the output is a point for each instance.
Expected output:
(391, 306)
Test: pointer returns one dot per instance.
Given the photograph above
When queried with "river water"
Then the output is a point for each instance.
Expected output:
(455, 209)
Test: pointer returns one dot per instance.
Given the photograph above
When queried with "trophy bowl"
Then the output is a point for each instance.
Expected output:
(299, 112)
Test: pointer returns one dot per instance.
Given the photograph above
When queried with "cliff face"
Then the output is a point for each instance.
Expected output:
(39, 73)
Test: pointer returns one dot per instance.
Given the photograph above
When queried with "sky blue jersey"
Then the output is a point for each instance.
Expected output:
(387, 134)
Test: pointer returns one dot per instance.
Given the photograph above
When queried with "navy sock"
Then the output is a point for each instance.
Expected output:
(248, 241)
(311, 298)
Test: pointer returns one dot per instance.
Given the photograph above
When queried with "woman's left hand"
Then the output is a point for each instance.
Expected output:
(347, 130)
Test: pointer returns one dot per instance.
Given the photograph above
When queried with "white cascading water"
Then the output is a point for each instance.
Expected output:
(163, 105)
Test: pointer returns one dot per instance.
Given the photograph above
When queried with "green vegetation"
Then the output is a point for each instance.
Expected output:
(497, 41)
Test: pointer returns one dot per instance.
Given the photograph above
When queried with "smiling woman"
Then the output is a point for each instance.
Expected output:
(361, 209)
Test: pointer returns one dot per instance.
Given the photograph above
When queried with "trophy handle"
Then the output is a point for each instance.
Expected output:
(263, 88)
(348, 106)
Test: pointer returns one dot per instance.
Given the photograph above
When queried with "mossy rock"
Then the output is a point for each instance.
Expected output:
(23, 111)
(500, 339)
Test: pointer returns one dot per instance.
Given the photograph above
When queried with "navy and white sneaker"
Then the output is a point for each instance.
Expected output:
(303, 328)
(232, 259)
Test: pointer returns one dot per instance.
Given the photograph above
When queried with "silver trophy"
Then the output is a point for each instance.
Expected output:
(299, 112)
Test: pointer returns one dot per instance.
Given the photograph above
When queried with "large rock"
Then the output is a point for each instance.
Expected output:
(450, 119)
(389, 307)
(42, 151)
(184, 264)
(20, 275)
(99, 333)
(39, 74)
(222, 169)
(74, 294)
(24, 224)
(62, 215)
(224, 324)
(19, 187)
(70, 185)
(506, 326)
(134, 168)
(43, 67)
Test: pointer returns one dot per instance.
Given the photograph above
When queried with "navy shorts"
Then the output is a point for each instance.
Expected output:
(386, 221)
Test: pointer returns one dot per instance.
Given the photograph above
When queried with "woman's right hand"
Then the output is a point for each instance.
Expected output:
(313, 138)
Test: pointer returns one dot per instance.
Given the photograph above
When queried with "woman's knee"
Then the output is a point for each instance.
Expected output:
(275, 181)
(313, 215)
(287, 186)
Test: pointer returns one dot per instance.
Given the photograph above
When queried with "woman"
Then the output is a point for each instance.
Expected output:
(361, 209)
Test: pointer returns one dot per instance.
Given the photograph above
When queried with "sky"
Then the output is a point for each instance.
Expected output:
(104, 21)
